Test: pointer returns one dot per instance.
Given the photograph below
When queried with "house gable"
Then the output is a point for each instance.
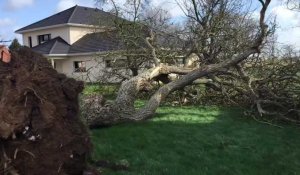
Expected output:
(63, 32)
(70, 25)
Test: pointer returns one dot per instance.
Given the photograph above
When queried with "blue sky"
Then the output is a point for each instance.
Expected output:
(15, 14)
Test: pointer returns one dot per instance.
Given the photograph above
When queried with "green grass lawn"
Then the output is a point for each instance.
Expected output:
(198, 140)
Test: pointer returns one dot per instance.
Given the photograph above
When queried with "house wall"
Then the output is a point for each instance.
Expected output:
(57, 63)
(69, 33)
(63, 32)
(95, 65)
(77, 32)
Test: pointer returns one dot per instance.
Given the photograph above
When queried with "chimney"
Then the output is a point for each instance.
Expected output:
(4, 54)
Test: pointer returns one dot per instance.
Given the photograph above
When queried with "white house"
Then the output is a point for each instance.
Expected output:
(72, 42)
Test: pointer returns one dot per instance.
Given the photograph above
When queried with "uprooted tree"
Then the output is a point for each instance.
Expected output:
(40, 129)
(227, 45)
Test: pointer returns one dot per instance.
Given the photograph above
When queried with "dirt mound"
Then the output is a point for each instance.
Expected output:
(40, 130)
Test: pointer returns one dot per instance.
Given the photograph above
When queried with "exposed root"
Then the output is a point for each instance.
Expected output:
(39, 119)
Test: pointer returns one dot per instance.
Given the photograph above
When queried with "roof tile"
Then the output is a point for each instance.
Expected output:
(74, 15)
(54, 46)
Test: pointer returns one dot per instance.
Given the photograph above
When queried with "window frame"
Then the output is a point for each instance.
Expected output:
(79, 66)
(42, 38)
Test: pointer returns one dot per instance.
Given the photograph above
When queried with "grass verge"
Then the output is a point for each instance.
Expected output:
(199, 140)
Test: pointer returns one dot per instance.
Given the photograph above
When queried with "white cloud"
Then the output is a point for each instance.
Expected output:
(65, 4)
(285, 15)
(171, 6)
(5, 22)
(255, 15)
(17, 4)
(168, 5)
(290, 36)
(6, 28)
(288, 24)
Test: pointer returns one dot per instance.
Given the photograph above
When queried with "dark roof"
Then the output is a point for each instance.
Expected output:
(74, 15)
(97, 42)
(54, 46)
(94, 42)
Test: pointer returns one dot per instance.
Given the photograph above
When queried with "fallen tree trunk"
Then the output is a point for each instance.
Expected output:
(40, 129)
(123, 110)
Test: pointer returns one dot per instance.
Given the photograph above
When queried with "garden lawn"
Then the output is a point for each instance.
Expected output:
(199, 141)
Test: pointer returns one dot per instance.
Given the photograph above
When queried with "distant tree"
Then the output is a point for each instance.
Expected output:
(15, 45)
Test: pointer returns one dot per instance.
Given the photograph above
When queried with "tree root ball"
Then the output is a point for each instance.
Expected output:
(40, 128)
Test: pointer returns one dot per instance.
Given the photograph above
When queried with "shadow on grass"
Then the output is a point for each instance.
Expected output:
(198, 141)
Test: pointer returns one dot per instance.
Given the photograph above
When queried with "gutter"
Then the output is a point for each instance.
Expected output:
(60, 25)
(82, 54)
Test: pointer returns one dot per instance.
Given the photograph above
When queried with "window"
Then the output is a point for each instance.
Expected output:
(79, 66)
(108, 63)
(44, 38)
(30, 42)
